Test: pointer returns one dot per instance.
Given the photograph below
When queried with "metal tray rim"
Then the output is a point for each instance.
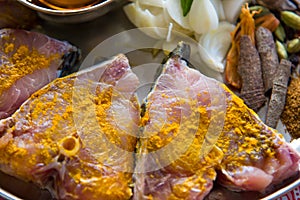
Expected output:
(8, 196)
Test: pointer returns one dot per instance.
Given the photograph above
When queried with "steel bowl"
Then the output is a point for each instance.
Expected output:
(77, 15)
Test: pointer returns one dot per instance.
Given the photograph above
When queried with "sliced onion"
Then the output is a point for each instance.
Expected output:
(175, 11)
(168, 47)
(174, 38)
(232, 9)
(203, 16)
(214, 45)
(219, 8)
(206, 70)
(145, 18)
(176, 26)
(154, 3)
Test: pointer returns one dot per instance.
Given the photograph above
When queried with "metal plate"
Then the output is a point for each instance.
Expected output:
(87, 36)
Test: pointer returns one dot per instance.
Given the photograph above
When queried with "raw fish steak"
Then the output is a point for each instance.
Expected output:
(28, 61)
(196, 131)
(76, 136)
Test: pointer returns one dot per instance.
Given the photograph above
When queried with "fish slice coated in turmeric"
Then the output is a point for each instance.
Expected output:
(29, 61)
(76, 136)
(197, 131)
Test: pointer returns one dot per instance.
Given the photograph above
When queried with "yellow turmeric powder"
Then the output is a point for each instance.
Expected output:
(20, 61)
(241, 127)
(242, 142)
(54, 110)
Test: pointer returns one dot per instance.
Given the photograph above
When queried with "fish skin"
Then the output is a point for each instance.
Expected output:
(185, 170)
(36, 141)
(11, 98)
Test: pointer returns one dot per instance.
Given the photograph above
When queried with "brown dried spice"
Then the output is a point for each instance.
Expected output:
(268, 21)
(249, 68)
(268, 55)
(291, 113)
(279, 91)
(278, 4)
(245, 27)
(231, 75)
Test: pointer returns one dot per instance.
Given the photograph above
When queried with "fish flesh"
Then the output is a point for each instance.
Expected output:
(85, 136)
(76, 136)
(197, 132)
(29, 61)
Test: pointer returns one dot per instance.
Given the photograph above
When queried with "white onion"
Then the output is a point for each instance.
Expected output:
(203, 16)
(232, 9)
(214, 45)
(204, 21)
(154, 3)
(206, 70)
(176, 27)
(144, 18)
(219, 8)
(175, 11)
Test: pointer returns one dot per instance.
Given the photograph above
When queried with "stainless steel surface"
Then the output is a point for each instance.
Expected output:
(282, 191)
(14, 189)
(6, 195)
(86, 36)
(74, 16)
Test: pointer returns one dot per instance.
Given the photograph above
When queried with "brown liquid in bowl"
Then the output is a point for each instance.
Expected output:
(68, 4)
